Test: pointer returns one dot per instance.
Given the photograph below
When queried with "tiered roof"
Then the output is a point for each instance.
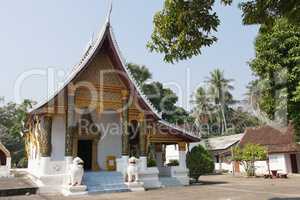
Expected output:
(91, 50)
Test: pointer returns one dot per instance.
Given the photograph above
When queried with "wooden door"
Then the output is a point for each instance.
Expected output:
(294, 163)
(85, 153)
(237, 167)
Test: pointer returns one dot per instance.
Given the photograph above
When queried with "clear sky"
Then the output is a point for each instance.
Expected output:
(36, 35)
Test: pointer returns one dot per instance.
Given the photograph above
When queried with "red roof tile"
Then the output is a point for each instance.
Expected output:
(275, 140)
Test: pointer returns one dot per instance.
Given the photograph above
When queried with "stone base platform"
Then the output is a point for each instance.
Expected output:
(74, 190)
(135, 186)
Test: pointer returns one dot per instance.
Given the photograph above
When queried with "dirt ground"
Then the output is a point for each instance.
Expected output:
(215, 187)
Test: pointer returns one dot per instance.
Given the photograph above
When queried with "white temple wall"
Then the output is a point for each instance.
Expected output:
(172, 152)
(111, 139)
(58, 138)
(288, 163)
(223, 166)
(278, 162)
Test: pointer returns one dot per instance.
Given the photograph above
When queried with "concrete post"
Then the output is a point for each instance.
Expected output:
(182, 154)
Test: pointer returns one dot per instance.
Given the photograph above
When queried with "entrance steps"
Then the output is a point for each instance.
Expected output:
(100, 182)
(170, 181)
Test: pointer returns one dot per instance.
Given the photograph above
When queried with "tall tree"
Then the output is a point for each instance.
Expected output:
(12, 118)
(184, 27)
(140, 72)
(277, 65)
(201, 108)
(267, 11)
(219, 89)
(163, 99)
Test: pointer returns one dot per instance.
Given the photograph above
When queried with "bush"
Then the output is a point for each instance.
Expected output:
(200, 162)
(248, 155)
(173, 163)
(151, 163)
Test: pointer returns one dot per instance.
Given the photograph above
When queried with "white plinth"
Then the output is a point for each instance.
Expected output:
(150, 178)
(74, 190)
(122, 164)
(44, 165)
(142, 163)
(135, 186)
(181, 174)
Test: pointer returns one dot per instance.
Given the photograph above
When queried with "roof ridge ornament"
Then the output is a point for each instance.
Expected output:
(109, 12)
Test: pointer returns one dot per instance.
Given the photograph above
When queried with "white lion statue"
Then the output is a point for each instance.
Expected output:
(132, 170)
(76, 171)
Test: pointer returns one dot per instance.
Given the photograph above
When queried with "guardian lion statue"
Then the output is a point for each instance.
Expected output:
(76, 171)
(132, 170)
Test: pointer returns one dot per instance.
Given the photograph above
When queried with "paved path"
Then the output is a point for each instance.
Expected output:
(217, 187)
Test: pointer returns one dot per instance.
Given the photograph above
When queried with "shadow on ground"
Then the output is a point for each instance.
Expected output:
(207, 183)
(289, 198)
(212, 182)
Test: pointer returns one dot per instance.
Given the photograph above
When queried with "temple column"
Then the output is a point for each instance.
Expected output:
(95, 166)
(123, 161)
(45, 150)
(142, 141)
(159, 155)
(182, 154)
(70, 125)
(124, 120)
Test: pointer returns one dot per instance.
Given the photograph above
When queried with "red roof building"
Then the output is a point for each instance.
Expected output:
(283, 150)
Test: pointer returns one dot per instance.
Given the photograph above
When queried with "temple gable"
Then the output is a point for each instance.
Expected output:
(101, 72)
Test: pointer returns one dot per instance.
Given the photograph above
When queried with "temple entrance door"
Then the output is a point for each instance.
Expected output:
(134, 133)
(85, 153)
(2, 158)
(294, 163)
(236, 166)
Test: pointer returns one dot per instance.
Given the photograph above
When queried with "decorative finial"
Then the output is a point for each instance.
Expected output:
(109, 11)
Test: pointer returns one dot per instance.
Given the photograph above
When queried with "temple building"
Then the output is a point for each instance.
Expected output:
(101, 115)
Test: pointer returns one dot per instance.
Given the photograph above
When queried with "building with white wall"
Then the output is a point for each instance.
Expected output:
(101, 115)
(283, 150)
(221, 149)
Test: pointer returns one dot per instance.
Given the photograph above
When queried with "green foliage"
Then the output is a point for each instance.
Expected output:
(248, 155)
(199, 162)
(163, 99)
(151, 163)
(267, 11)
(277, 67)
(182, 28)
(241, 120)
(173, 163)
(140, 73)
(12, 118)
(212, 108)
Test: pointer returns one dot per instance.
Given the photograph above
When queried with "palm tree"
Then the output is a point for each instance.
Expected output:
(219, 89)
(201, 109)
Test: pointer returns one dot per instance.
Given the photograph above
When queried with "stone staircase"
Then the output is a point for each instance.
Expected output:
(170, 182)
(99, 182)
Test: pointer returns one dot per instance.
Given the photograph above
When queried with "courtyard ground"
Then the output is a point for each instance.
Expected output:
(215, 187)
